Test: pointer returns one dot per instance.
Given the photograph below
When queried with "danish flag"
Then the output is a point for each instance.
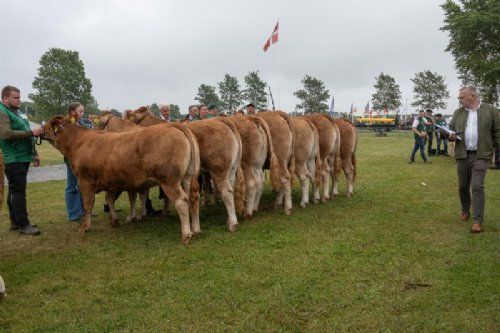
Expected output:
(273, 39)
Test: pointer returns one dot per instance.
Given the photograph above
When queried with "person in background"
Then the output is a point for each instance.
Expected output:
(165, 111)
(429, 128)
(212, 111)
(479, 125)
(18, 146)
(441, 136)
(250, 109)
(419, 134)
(193, 114)
(203, 111)
(72, 195)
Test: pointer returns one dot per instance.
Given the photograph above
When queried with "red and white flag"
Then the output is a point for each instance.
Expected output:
(273, 39)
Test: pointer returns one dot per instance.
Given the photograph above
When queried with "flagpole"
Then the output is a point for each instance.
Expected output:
(279, 73)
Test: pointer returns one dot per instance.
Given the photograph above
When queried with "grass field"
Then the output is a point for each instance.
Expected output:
(395, 258)
(48, 154)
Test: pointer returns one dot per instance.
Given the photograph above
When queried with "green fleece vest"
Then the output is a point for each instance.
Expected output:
(420, 127)
(22, 150)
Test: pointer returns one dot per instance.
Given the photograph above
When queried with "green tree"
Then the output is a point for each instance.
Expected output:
(387, 94)
(155, 110)
(430, 91)
(207, 95)
(61, 80)
(313, 97)
(230, 94)
(255, 90)
(175, 111)
(474, 30)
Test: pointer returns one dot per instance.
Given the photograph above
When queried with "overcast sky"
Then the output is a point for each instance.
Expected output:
(140, 52)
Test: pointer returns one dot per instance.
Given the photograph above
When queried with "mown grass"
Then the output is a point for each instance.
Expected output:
(48, 154)
(394, 258)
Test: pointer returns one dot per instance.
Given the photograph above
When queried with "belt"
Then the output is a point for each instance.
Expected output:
(471, 151)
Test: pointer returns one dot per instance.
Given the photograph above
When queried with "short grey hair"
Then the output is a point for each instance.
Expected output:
(472, 88)
(163, 105)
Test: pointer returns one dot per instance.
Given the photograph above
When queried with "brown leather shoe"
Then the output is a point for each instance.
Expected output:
(476, 228)
(464, 216)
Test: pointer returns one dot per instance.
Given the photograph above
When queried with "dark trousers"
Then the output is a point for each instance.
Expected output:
(17, 173)
(419, 144)
(445, 145)
(471, 173)
(497, 157)
(429, 143)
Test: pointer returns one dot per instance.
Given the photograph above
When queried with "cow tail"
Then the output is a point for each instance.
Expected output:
(239, 191)
(194, 163)
(291, 163)
(239, 186)
(319, 165)
(274, 168)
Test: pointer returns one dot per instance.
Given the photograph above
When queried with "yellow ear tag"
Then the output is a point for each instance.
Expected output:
(55, 129)
(72, 120)
(132, 117)
(96, 121)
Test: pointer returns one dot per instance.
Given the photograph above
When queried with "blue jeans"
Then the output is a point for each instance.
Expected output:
(74, 204)
(445, 144)
(419, 144)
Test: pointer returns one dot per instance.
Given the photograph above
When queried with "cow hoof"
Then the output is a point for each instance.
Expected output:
(247, 216)
(288, 211)
(303, 205)
(196, 232)
(185, 240)
(324, 200)
(232, 228)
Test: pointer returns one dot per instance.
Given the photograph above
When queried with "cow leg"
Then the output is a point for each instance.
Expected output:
(177, 195)
(302, 175)
(311, 167)
(88, 198)
(349, 175)
(288, 197)
(334, 174)
(143, 197)
(132, 198)
(251, 192)
(194, 203)
(110, 200)
(259, 183)
(227, 195)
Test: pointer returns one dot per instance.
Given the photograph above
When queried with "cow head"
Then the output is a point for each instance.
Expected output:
(139, 114)
(53, 127)
(100, 121)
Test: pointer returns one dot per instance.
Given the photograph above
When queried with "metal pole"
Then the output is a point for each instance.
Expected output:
(272, 99)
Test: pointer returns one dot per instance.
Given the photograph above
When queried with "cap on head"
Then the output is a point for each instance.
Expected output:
(211, 106)
(250, 105)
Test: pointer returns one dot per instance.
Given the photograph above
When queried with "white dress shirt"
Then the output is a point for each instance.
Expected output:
(471, 133)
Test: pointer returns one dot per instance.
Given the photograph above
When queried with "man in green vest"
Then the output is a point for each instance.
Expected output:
(429, 128)
(18, 146)
(419, 135)
(479, 124)
(441, 136)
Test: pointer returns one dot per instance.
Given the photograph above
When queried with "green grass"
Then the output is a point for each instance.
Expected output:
(394, 258)
(48, 154)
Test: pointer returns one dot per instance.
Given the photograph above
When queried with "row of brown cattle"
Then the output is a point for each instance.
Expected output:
(142, 151)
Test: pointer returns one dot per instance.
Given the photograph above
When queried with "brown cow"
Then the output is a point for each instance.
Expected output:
(109, 122)
(328, 152)
(101, 162)
(283, 142)
(220, 155)
(256, 148)
(348, 144)
(306, 151)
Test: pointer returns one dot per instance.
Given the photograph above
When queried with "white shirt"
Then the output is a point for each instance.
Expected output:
(471, 133)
